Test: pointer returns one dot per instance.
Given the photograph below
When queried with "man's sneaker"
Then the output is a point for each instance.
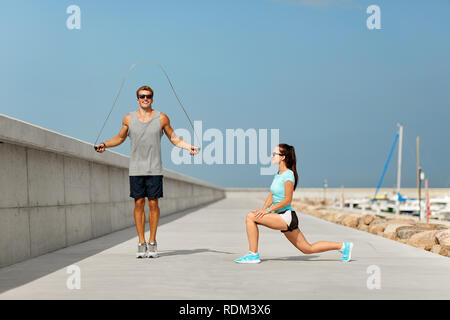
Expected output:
(249, 258)
(142, 250)
(347, 252)
(152, 250)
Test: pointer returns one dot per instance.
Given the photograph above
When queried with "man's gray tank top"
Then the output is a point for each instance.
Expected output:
(145, 139)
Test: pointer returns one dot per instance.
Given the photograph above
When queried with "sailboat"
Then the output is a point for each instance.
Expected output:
(399, 199)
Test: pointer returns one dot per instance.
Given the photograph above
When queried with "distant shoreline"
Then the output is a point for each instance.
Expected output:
(348, 192)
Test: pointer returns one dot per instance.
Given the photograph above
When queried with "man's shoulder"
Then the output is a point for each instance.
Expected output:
(164, 117)
(126, 118)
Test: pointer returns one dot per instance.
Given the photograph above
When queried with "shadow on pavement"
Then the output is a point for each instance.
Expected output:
(26, 271)
(186, 252)
(300, 258)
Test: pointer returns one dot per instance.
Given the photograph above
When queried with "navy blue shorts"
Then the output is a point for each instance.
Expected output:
(146, 187)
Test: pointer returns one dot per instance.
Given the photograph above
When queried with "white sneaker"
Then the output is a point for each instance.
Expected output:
(152, 250)
(142, 250)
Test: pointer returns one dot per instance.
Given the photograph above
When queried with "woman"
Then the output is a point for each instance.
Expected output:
(277, 212)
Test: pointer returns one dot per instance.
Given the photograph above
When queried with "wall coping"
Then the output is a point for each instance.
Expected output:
(25, 134)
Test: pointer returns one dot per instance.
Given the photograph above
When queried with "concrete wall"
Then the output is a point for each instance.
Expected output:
(56, 191)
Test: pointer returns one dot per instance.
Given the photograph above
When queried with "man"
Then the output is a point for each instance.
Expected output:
(145, 128)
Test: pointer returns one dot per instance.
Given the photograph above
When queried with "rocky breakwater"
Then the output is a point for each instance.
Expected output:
(431, 237)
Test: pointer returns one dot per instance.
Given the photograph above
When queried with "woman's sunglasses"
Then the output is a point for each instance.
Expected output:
(148, 96)
(277, 154)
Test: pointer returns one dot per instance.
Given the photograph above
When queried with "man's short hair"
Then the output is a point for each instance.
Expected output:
(146, 88)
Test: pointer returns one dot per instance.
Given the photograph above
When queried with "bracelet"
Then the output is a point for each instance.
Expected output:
(268, 210)
(104, 144)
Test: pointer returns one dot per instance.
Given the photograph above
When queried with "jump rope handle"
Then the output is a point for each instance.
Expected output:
(97, 147)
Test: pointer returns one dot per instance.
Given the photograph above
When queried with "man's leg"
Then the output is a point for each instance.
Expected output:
(139, 218)
(153, 218)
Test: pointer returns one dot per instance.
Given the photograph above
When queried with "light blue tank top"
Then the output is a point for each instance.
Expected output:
(277, 188)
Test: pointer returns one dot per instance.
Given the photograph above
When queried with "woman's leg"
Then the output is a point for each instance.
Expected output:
(271, 220)
(297, 238)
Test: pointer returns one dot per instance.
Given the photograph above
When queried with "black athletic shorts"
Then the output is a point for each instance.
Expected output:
(146, 187)
(294, 221)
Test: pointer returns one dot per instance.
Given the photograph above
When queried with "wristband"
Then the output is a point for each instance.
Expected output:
(268, 210)
(104, 144)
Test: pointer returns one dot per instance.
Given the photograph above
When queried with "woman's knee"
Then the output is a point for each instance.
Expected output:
(250, 217)
(307, 250)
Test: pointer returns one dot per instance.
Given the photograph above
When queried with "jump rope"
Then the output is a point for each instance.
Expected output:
(120, 90)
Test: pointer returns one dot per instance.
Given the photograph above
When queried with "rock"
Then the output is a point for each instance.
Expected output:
(440, 250)
(401, 221)
(407, 232)
(378, 227)
(436, 249)
(316, 214)
(337, 217)
(351, 221)
(392, 228)
(390, 231)
(378, 221)
(327, 216)
(443, 238)
(445, 252)
(363, 227)
(431, 226)
(367, 219)
(425, 239)
(320, 215)
(390, 235)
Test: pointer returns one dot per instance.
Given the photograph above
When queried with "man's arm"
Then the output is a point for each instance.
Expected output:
(117, 140)
(174, 139)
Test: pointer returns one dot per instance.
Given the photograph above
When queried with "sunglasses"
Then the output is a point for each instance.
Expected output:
(148, 96)
(277, 154)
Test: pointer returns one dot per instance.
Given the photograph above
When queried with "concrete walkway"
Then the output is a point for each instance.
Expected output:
(197, 249)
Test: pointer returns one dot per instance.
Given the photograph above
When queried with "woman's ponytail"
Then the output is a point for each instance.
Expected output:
(290, 159)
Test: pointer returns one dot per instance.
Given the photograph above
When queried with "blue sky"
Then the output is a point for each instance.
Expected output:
(313, 70)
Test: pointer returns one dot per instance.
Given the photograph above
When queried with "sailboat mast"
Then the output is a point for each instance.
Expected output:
(399, 168)
(419, 178)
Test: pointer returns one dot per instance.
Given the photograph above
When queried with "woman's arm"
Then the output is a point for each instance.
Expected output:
(288, 193)
(269, 201)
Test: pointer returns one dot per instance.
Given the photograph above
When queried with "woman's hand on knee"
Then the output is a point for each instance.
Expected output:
(260, 213)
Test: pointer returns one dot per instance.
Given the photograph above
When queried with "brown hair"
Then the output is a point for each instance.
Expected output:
(146, 88)
(289, 158)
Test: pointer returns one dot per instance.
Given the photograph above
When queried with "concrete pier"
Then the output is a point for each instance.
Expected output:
(197, 249)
